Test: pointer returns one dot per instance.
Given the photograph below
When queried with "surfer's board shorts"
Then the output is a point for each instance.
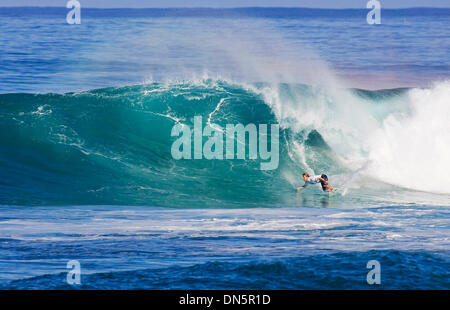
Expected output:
(324, 184)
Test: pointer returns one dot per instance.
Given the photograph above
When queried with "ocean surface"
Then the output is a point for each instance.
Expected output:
(87, 174)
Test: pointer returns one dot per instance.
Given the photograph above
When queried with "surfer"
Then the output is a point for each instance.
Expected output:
(322, 179)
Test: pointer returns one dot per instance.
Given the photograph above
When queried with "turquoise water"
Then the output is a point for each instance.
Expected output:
(86, 114)
(119, 142)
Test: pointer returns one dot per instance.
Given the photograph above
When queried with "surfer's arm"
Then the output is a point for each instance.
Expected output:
(301, 187)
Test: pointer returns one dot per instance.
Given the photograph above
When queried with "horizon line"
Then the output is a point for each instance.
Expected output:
(224, 8)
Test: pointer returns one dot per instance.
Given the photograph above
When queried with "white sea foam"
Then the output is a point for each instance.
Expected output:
(413, 150)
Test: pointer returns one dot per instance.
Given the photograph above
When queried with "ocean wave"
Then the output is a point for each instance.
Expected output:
(112, 146)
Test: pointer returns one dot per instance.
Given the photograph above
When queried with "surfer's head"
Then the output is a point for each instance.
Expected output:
(305, 176)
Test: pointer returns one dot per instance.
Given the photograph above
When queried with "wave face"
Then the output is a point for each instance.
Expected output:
(112, 146)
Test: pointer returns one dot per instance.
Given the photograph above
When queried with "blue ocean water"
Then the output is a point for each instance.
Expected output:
(86, 171)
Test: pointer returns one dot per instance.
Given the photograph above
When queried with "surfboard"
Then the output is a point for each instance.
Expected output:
(333, 192)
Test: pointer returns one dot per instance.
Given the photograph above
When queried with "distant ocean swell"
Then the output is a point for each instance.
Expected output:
(402, 270)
